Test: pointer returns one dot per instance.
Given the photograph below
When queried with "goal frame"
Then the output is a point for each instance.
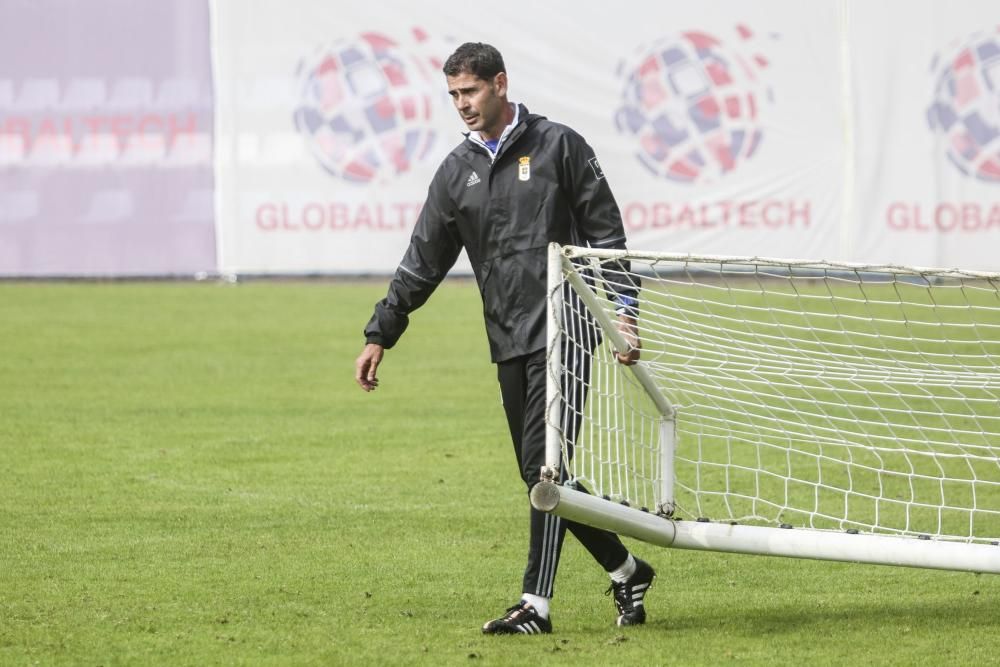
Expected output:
(657, 526)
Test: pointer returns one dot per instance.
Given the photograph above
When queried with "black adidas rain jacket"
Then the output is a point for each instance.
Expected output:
(544, 185)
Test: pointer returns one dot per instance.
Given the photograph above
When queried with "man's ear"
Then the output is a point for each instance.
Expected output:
(500, 84)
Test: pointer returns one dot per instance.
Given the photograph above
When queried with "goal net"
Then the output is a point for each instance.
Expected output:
(791, 394)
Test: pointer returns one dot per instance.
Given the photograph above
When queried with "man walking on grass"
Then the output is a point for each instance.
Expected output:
(516, 183)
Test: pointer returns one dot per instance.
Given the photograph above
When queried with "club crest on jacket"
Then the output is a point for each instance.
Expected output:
(524, 168)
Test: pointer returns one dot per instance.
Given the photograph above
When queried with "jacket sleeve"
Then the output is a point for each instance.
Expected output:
(434, 247)
(598, 219)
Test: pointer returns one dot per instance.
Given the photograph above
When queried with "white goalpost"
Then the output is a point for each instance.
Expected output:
(781, 407)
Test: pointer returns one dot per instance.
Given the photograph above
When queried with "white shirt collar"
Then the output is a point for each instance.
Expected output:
(477, 139)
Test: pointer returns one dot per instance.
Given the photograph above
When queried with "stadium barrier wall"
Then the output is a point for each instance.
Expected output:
(106, 133)
(265, 139)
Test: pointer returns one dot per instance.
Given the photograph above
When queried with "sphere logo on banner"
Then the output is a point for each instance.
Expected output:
(693, 104)
(965, 110)
(366, 105)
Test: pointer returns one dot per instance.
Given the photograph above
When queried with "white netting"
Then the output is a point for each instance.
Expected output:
(813, 394)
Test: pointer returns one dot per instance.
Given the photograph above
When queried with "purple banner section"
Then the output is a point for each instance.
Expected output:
(105, 138)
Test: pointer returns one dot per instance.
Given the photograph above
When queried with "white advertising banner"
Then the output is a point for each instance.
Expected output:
(926, 94)
(717, 123)
(726, 132)
(829, 129)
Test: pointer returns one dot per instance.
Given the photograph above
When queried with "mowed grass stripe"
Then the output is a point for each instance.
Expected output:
(191, 477)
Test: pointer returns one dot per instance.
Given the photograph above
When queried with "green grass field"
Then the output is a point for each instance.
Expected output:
(190, 476)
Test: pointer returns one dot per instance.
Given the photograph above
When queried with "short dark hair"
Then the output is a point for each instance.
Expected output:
(480, 60)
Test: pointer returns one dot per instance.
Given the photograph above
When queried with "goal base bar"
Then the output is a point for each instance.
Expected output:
(762, 540)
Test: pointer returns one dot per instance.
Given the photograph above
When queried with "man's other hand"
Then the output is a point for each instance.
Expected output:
(367, 365)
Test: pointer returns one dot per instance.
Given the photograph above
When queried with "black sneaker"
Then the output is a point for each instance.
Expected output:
(519, 619)
(629, 595)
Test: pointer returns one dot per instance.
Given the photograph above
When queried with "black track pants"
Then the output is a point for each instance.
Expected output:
(522, 385)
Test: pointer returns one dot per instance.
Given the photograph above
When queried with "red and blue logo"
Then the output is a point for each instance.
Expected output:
(965, 110)
(366, 105)
(694, 105)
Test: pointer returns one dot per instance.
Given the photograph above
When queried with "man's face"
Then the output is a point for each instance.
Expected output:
(479, 102)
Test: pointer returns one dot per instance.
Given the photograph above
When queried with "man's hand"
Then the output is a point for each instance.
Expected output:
(629, 330)
(366, 366)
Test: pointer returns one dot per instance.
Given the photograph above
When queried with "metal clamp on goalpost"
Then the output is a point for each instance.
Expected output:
(798, 410)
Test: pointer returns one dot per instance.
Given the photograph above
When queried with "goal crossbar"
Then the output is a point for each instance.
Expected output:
(573, 252)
